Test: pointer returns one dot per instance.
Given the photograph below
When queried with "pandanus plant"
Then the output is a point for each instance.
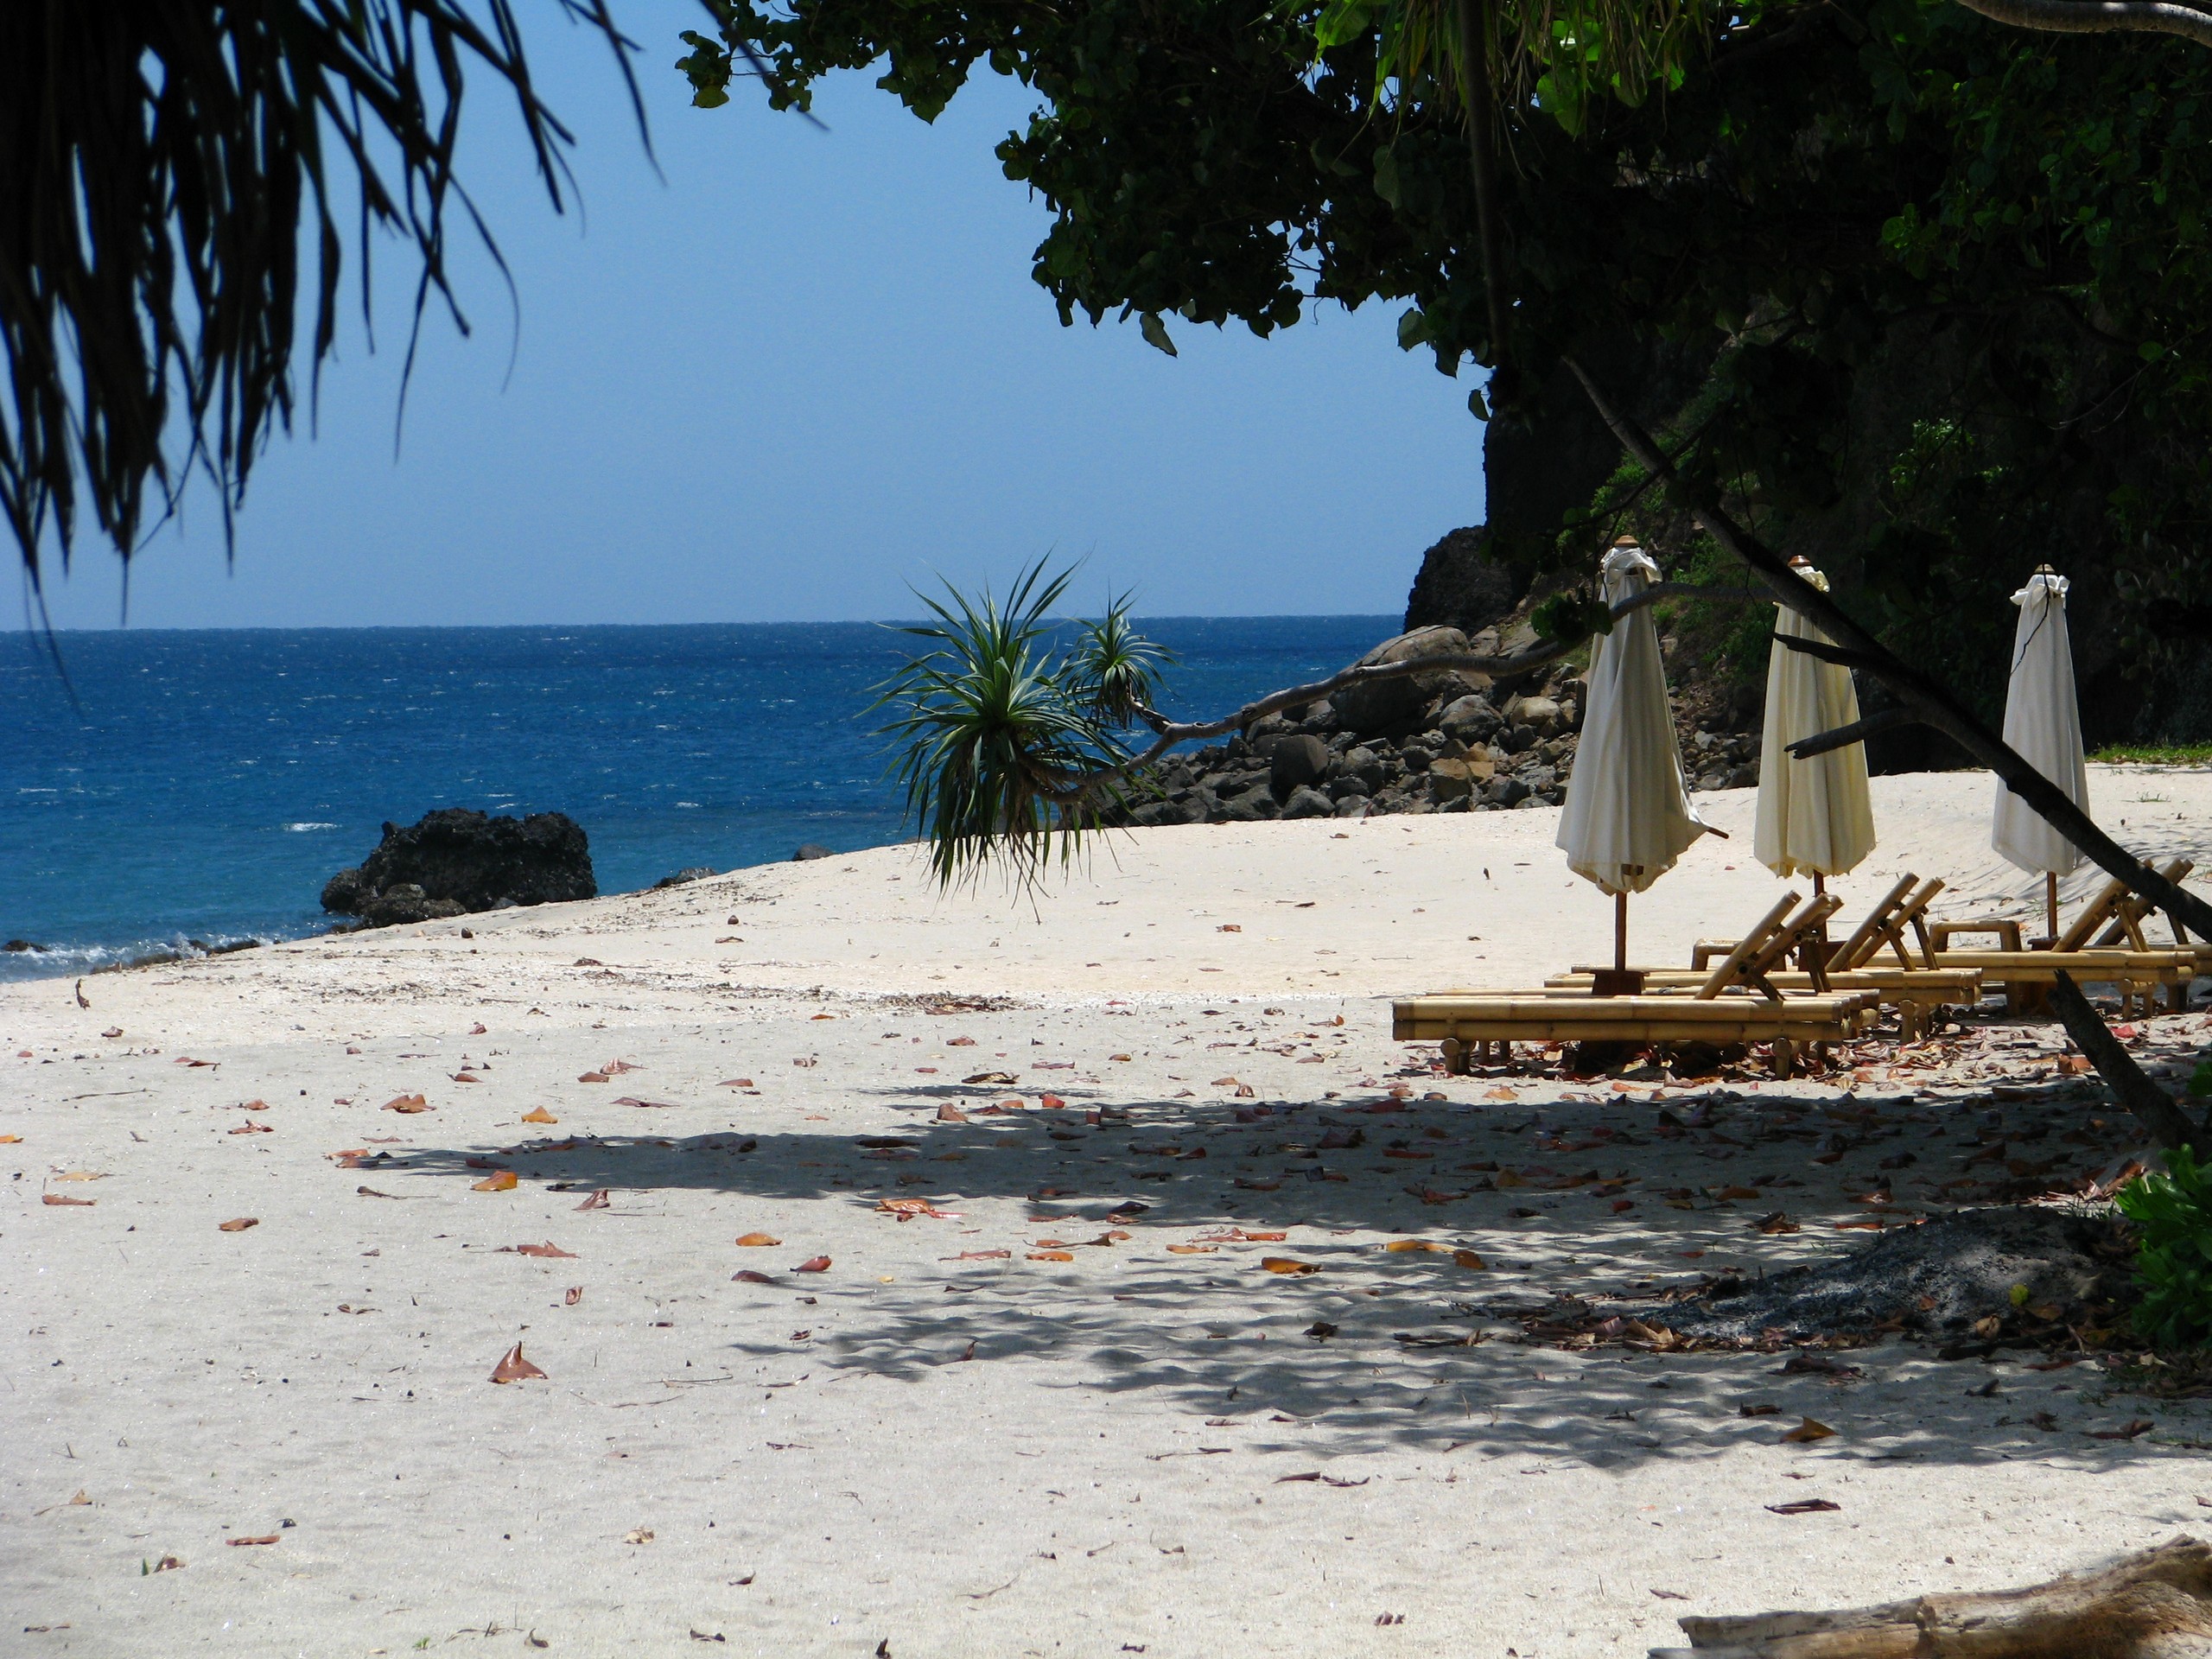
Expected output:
(1009, 734)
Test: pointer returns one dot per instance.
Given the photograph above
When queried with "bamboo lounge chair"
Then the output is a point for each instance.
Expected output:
(2120, 956)
(1905, 905)
(1918, 995)
(1719, 1010)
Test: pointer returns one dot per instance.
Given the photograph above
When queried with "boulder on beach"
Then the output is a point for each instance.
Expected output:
(455, 860)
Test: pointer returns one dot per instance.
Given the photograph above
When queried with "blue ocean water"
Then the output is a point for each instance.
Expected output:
(204, 784)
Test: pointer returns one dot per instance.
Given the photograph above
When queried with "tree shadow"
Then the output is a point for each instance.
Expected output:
(1373, 1349)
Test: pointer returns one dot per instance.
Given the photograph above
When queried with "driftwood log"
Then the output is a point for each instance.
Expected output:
(2157, 1605)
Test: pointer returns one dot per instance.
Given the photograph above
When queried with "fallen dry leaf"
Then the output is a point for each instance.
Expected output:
(82, 1175)
(408, 1103)
(735, 1082)
(168, 1564)
(238, 1225)
(1469, 1258)
(596, 1201)
(977, 1256)
(514, 1369)
(575, 1294)
(997, 1078)
(2140, 1426)
(1051, 1256)
(9, 1139)
(548, 1248)
(638, 1536)
(539, 1115)
(504, 1181)
(754, 1241)
(1809, 1430)
(57, 1199)
(594, 1077)
(1779, 1222)
(1287, 1264)
(813, 1264)
(1193, 1250)
(949, 1112)
(266, 1538)
(465, 1077)
(746, 1276)
(908, 1209)
(1406, 1246)
(1806, 1506)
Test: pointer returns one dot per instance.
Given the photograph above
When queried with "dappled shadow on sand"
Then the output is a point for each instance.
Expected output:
(1379, 1350)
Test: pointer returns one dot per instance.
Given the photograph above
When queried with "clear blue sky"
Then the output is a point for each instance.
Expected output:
(807, 370)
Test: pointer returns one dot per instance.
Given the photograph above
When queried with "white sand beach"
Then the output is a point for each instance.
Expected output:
(948, 1439)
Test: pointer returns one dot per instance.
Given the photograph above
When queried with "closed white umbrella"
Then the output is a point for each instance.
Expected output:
(1628, 815)
(2043, 724)
(1815, 815)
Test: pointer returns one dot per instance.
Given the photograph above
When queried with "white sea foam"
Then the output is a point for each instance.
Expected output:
(302, 828)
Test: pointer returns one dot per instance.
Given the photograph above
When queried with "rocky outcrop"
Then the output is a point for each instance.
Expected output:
(455, 860)
(1457, 586)
(1446, 742)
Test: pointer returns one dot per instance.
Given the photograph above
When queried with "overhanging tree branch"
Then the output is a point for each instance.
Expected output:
(1075, 789)
(1843, 736)
(1919, 695)
(2099, 16)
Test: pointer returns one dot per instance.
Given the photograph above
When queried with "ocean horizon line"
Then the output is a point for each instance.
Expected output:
(35, 634)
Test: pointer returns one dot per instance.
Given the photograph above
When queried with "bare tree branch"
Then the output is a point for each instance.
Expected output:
(2099, 16)
(1843, 737)
(1921, 696)
(1168, 733)
(2129, 1083)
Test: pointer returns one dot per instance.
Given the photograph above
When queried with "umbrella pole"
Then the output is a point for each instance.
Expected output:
(2050, 901)
(1620, 932)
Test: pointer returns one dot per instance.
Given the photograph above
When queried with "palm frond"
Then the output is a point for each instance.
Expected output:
(1117, 670)
(1000, 744)
(159, 162)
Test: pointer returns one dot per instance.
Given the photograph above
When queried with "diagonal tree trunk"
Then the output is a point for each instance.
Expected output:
(1926, 700)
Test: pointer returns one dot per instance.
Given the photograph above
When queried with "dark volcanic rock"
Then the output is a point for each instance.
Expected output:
(684, 878)
(454, 861)
(811, 849)
(1390, 706)
(1458, 587)
(1940, 1276)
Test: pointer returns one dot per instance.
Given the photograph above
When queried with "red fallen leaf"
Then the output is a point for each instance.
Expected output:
(548, 1248)
(237, 1225)
(813, 1264)
(1287, 1264)
(754, 1241)
(961, 1042)
(181, 1060)
(477, 1030)
(1805, 1506)
(592, 1076)
(406, 1103)
(266, 1538)
(746, 1276)
(1052, 1103)
(977, 1256)
(949, 1112)
(1051, 1256)
(9, 1139)
(575, 1294)
(465, 1077)
(1779, 1222)
(1193, 1250)
(596, 1201)
(631, 1100)
(251, 1128)
(735, 1082)
(616, 1068)
(480, 1163)
(539, 1115)
(514, 1369)
(2140, 1426)
(1224, 1083)
(56, 1198)
(502, 1182)
(253, 1105)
